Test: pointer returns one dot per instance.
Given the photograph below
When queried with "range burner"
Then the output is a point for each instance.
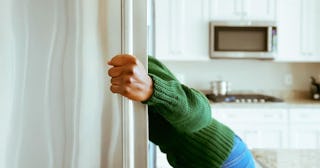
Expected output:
(243, 98)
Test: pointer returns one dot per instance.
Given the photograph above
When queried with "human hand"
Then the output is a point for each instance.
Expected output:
(129, 78)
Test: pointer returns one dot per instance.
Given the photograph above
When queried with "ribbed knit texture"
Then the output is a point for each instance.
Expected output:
(180, 123)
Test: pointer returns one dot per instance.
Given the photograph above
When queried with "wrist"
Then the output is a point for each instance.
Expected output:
(149, 89)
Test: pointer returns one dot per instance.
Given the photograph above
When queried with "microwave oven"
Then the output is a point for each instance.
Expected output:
(243, 39)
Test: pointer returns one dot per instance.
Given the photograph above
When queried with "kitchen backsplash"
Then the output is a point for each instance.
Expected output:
(246, 75)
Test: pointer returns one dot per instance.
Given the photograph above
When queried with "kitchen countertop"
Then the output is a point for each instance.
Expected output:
(287, 158)
(286, 104)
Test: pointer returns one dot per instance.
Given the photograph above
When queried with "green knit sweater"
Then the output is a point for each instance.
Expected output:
(180, 123)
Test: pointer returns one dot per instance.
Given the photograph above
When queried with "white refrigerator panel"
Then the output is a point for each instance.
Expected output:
(56, 110)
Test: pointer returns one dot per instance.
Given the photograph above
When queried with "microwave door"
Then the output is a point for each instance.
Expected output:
(241, 42)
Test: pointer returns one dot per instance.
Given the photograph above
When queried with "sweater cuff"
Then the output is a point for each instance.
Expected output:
(162, 94)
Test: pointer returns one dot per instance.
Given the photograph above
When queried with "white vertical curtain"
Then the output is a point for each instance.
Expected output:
(55, 107)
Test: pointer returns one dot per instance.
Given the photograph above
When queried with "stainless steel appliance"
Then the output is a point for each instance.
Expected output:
(243, 39)
(220, 88)
(243, 98)
(56, 108)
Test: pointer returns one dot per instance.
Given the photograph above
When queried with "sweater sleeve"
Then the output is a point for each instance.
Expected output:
(186, 109)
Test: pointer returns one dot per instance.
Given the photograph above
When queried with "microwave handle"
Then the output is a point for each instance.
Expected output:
(270, 40)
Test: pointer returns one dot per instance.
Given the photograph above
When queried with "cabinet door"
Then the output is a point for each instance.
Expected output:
(244, 10)
(309, 29)
(305, 136)
(262, 135)
(259, 128)
(259, 9)
(181, 29)
(298, 21)
(226, 9)
(305, 128)
(250, 115)
(289, 29)
(168, 20)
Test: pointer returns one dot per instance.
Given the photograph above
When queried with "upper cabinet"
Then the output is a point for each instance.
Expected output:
(227, 10)
(299, 39)
(182, 26)
(181, 30)
(243, 9)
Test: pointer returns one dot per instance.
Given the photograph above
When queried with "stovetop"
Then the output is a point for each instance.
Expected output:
(243, 98)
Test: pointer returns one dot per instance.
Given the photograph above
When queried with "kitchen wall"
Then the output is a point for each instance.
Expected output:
(246, 75)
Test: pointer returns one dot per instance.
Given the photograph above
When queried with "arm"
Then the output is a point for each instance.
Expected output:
(184, 108)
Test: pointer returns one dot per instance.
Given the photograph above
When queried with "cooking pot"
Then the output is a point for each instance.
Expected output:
(220, 88)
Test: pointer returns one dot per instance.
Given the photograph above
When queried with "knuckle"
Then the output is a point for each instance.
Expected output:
(112, 89)
(134, 60)
(110, 72)
(112, 80)
(128, 80)
(131, 70)
(126, 91)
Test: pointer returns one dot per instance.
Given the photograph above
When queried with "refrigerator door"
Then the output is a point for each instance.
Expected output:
(56, 110)
(130, 28)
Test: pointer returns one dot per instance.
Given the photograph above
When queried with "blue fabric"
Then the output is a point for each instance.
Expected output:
(240, 156)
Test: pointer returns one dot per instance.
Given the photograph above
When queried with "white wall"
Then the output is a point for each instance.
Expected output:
(251, 75)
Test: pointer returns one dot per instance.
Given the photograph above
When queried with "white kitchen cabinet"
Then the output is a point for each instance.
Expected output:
(181, 30)
(298, 23)
(259, 128)
(305, 136)
(305, 128)
(258, 135)
(182, 26)
(288, 29)
(243, 9)
(260, 9)
(287, 127)
(226, 10)
(269, 127)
